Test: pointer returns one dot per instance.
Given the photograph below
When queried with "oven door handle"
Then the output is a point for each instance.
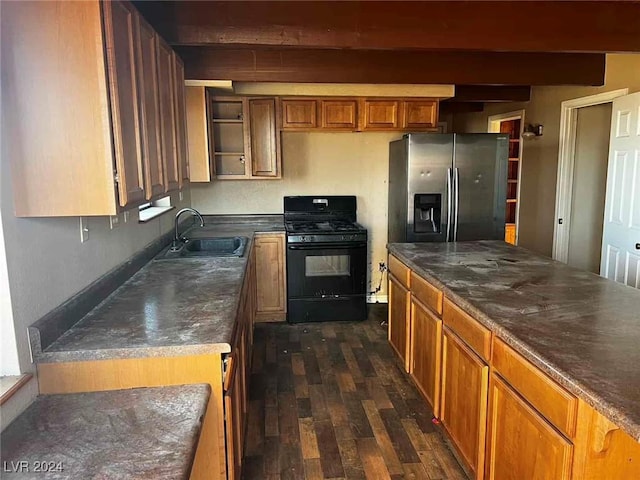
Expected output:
(320, 246)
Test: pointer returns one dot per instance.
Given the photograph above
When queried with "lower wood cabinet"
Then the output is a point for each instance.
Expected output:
(399, 319)
(271, 301)
(426, 353)
(463, 411)
(521, 444)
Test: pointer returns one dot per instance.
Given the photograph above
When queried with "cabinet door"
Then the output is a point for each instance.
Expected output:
(120, 38)
(399, 319)
(381, 115)
(150, 109)
(270, 277)
(167, 115)
(264, 138)
(420, 114)
(200, 169)
(521, 444)
(510, 234)
(463, 410)
(180, 121)
(299, 114)
(426, 345)
(234, 418)
(339, 114)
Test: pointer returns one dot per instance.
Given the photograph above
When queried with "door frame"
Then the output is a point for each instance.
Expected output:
(493, 126)
(566, 164)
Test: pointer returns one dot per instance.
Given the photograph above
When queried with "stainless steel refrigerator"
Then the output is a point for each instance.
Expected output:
(447, 187)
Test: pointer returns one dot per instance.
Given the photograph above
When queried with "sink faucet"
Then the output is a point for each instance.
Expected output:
(176, 238)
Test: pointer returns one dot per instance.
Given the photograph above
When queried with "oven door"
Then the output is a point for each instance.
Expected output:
(326, 270)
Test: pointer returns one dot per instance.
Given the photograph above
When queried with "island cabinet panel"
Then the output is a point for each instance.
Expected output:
(420, 114)
(426, 353)
(400, 271)
(298, 114)
(425, 292)
(270, 278)
(380, 114)
(120, 38)
(150, 109)
(602, 450)
(398, 333)
(463, 408)
(166, 81)
(521, 443)
(265, 141)
(556, 404)
(339, 114)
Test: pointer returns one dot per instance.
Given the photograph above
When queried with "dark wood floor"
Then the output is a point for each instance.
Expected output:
(330, 400)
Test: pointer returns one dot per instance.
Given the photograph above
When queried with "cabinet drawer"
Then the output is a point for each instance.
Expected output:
(556, 404)
(399, 270)
(426, 293)
(468, 329)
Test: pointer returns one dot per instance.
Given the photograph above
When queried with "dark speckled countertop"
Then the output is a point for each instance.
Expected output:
(169, 307)
(144, 433)
(581, 329)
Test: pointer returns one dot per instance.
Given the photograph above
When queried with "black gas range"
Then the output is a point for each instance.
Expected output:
(326, 259)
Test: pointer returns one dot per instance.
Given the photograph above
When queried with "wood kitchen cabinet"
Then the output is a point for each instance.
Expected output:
(168, 115)
(419, 114)
(150, 108)
(299, 114)
(89, 140)
(339, 114)
(521, 443)
(426, 353)
(399, 319)
(243, 138)
(463, 408)
(382, 114)
(200, 164)
(270, 278)
(180, 121)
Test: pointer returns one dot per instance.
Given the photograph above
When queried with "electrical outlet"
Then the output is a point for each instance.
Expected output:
(114, 221)
(126, 216)
(84, 229)
(181, 195)
(382, 267)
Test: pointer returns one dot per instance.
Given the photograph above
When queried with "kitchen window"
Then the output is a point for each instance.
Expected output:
(151, 210)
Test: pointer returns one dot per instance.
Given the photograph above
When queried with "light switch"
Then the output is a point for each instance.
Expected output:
(84, 229)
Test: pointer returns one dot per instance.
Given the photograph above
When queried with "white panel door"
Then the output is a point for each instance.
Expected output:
(621, 233)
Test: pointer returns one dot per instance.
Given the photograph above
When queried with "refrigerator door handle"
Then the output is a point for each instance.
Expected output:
(449, 204)
(456, 186)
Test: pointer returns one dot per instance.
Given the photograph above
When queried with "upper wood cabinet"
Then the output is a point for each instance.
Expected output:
(244, 140)
(419, 114)
(168, 115)
(200, 166)
(264, 138)
(339, 114)
(180, 120)
(380, 114)
(298, 114)
(147, 64)
(120, 38)
(86, 141)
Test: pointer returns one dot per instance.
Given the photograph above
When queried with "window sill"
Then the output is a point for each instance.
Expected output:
(152, 212)
(11, 384)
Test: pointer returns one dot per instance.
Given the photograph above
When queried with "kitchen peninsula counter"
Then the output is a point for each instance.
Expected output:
(579, 328)
(168, 308)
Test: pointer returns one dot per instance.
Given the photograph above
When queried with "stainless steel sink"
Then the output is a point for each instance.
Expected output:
(208, 247)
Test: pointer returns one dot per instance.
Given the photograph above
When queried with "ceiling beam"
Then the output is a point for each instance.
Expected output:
(448, 107)
(492, 93)
(517, 26)
(379, 66)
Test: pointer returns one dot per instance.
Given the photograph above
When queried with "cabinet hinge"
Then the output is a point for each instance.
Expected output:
(116, 178)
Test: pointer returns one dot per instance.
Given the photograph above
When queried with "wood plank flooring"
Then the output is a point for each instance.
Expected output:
(330, 400)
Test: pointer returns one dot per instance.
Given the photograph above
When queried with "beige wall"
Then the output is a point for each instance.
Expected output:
(540, 155)
(317, 164)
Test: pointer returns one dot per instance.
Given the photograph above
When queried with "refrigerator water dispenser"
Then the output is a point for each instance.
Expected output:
(427, 208)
